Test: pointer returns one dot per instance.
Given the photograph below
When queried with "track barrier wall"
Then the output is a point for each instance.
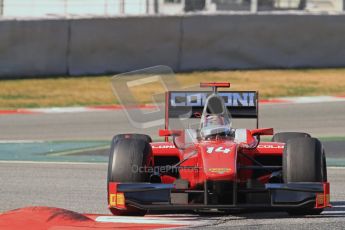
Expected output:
(33, 47)
(189, 42)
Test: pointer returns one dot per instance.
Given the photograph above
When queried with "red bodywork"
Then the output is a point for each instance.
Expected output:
(237, 162)
(216, 165)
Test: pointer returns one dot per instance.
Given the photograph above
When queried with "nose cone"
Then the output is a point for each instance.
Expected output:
(219, 160)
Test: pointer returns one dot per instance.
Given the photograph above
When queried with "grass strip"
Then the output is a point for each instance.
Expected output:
(96, 90)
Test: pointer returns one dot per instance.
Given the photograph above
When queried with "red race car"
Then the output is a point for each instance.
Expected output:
(216, 166)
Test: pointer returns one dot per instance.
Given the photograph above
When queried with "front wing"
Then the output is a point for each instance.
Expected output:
(157, 196)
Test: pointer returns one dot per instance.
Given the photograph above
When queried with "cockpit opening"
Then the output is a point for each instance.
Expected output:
(215, 120)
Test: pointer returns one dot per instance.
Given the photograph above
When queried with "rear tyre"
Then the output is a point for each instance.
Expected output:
(285, 136)
(304, 161)
(128, 152)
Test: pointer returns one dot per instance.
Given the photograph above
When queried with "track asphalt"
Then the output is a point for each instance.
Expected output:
(81, 187)
(319, 119)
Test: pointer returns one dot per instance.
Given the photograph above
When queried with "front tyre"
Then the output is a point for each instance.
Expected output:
(304, 161)
(127, 155)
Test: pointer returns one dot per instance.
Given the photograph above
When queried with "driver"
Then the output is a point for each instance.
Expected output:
(215, 121)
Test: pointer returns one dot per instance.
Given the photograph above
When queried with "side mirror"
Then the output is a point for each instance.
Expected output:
(168, 133)
(261, 132)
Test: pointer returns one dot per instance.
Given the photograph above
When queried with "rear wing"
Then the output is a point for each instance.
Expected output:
(240, 104)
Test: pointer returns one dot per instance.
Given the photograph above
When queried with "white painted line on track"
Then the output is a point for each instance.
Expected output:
(333, 212)
(149, 220)
(62, 110)
(316, 99)
(303, 100)
(52, 162)
(20, 141)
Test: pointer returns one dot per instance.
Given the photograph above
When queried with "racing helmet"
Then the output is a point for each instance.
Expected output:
(215, 119)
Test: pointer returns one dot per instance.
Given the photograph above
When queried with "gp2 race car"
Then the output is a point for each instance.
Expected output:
(216, 166)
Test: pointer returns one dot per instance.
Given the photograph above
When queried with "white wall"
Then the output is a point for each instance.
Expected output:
(39, 8)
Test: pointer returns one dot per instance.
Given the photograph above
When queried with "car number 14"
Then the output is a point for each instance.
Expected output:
(217, 150)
